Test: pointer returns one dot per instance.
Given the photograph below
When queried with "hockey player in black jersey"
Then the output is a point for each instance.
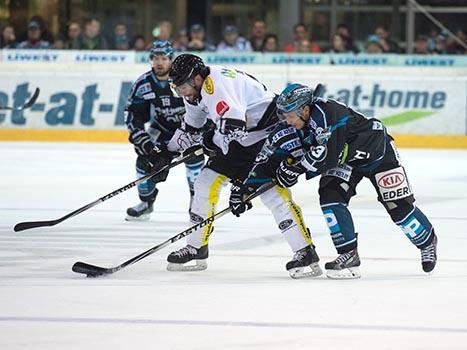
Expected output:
(153, 102)
(325, 137)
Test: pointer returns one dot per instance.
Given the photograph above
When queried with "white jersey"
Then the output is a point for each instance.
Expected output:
(228, 93)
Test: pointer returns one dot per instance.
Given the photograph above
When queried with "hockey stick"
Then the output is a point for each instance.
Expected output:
(33, 224)
(95, 271)
(27, 104)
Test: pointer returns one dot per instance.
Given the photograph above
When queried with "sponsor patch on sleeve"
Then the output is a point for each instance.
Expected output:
(143, 89)
(222, 107)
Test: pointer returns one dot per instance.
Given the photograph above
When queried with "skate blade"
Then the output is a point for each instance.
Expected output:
(143, 217)
(306, 272)
(199, 266)
(345, 274)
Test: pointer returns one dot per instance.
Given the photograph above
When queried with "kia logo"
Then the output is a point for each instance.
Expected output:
(391, 180)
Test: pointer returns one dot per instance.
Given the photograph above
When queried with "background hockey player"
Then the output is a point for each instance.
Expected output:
(327, 137)
(244, 112)
(152, 101)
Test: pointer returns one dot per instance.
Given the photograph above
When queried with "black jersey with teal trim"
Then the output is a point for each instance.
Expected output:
(342, 134)
(152, 100)
(334, 134)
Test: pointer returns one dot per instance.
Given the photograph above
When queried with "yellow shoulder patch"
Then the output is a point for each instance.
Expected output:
(208, 85)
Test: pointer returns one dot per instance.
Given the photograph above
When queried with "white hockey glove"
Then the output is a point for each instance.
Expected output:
(185, 139)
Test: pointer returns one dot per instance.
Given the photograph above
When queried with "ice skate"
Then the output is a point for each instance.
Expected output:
(429, 257)
(304, 263)
(179, 258)
(345, 266)
(140, 212)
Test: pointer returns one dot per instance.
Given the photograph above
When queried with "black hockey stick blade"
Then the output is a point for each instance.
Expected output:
(95, 271)
(91, 270)
(28, 104)
(33, 224)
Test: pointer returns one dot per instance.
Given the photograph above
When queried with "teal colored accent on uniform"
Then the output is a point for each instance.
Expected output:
(257, 181)
(340, 123)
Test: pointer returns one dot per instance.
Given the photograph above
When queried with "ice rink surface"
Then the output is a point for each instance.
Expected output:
(245, 300)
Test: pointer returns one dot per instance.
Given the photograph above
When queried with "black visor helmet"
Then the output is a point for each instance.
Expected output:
(185, 67)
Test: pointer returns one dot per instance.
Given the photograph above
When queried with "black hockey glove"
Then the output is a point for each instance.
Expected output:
(287, 174)
(238, 193)
(210, 148)
(142, 142)
(159, 158)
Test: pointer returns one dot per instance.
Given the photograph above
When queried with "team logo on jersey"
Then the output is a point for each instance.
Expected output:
(143, 89)
(222, 107)
(208, 85)
(322, 135)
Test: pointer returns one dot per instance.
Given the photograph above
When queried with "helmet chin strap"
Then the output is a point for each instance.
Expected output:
(300, 114)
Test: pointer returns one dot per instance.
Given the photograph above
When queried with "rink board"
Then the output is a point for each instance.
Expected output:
(86, 102)
(407, 141)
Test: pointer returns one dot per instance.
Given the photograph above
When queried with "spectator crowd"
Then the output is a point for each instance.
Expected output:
(88, 35)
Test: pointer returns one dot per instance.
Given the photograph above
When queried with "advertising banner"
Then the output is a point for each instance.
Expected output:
(407, 101)
(235, 58)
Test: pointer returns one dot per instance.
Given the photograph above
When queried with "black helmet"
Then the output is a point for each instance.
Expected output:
(185, 67)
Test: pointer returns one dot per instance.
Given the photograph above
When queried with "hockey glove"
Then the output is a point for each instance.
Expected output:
(159, 158)
(210, 148)
(238, 193)
(142, 142)
(287, 174)
(185, 138)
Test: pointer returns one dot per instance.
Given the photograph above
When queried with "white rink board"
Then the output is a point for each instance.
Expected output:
(245, 300)
(93, 96)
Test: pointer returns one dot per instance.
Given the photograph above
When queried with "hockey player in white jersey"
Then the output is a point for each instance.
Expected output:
(244, 112)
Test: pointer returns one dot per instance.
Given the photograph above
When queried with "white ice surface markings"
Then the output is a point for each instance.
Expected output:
(245, 300)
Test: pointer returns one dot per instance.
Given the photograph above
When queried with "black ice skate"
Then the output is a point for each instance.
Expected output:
(140, 212)
(344, 267)
(179, 258)
(302, 259)
(429, 255)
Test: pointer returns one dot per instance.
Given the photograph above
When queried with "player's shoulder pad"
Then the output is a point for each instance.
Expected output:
(142, 88)
(208, 85)
(318, 115)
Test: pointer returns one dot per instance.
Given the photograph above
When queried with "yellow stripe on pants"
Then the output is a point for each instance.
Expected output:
(213, 198)
(296, 212)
